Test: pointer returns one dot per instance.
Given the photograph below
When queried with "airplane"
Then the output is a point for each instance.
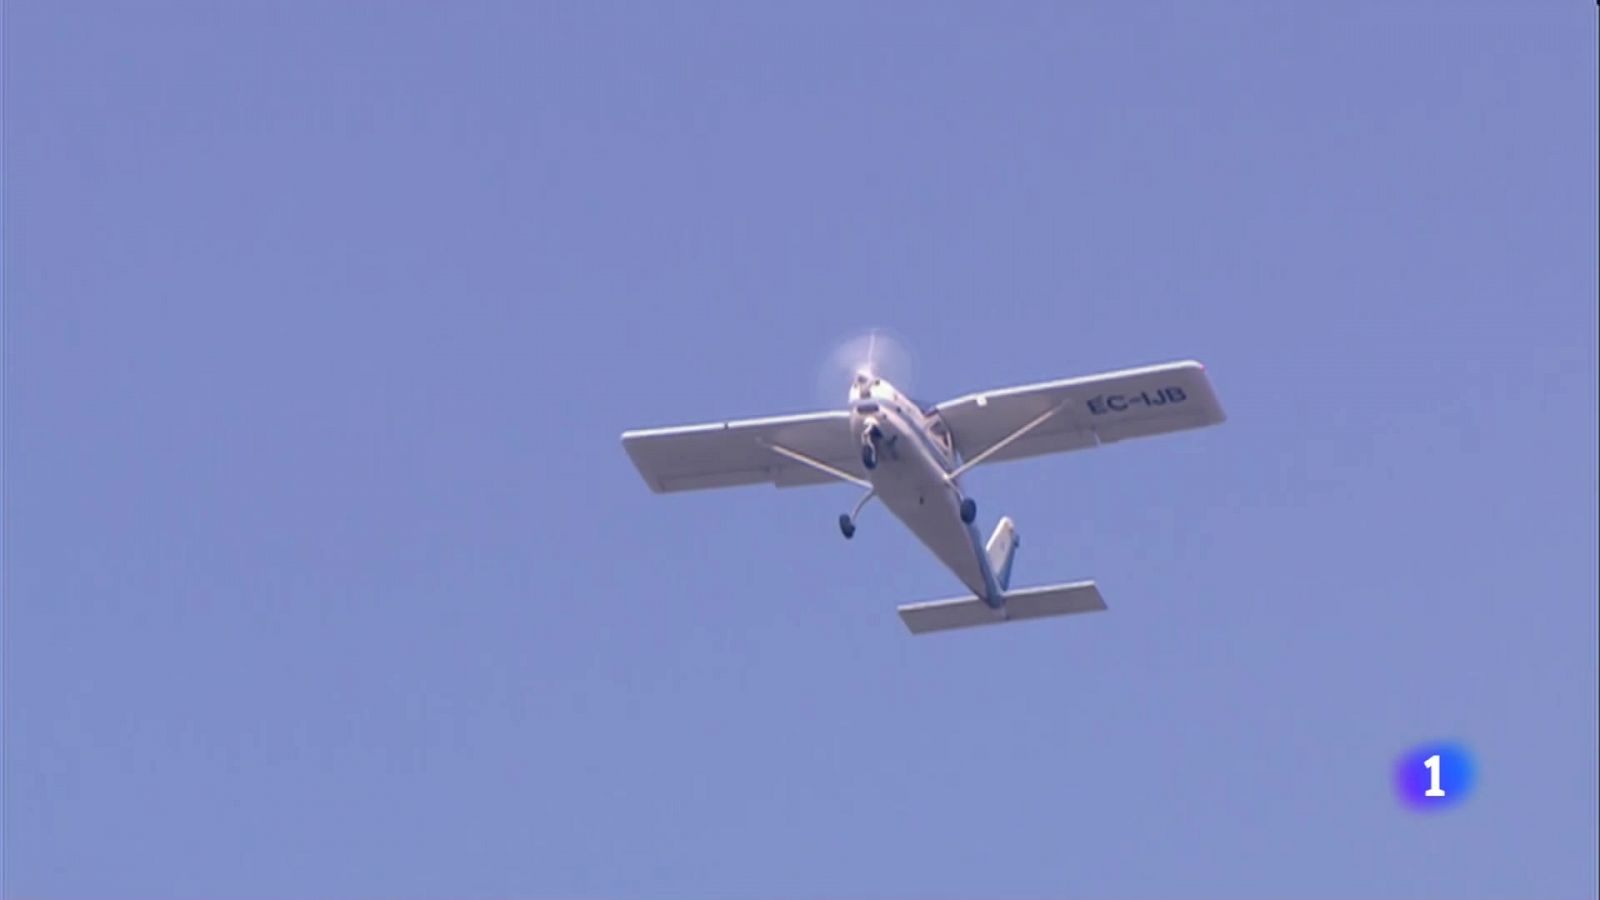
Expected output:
(912, 457)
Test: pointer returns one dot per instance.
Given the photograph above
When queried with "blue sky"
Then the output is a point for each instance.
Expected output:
(325, 573)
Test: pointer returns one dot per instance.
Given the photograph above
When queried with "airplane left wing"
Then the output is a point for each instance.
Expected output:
(1077, 413)
(725, 454)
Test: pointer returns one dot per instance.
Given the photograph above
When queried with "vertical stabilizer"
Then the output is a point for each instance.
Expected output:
(1002, 547)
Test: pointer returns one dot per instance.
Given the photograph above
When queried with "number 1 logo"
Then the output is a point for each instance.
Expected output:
(1434, 776)
(1433, 765)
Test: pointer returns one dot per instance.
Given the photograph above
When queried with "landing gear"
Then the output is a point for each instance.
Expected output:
(869, 445)
(847, 521)
(969, 510)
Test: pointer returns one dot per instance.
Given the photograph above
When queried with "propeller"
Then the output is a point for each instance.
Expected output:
(876, 353)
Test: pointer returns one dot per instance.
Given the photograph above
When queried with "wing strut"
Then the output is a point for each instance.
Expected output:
(1006, 441)
(818, 464)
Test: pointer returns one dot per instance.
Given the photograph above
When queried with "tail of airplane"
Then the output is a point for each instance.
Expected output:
(1023, 603)
(1002, 547)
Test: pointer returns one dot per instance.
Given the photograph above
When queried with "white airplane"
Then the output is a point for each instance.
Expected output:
(912, 458)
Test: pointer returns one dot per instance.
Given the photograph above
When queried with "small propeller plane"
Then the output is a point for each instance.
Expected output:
(911, 458)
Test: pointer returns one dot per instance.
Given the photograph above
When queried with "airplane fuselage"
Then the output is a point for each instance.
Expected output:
(911, 464)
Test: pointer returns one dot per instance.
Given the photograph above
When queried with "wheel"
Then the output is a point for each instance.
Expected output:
(869, 456)
(846, 527)
(969, 510)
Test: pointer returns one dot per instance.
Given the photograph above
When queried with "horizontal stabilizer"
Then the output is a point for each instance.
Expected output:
(1023, 603)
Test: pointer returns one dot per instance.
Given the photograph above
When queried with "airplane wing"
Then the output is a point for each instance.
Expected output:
(1091, 410)
(724, 454)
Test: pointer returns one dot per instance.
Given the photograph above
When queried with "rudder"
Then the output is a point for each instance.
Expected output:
(1001, 549)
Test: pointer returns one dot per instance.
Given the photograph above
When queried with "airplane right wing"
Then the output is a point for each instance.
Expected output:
(1088, 411)
(725, 454)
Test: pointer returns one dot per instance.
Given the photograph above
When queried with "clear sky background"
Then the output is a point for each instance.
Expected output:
(326, 574)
